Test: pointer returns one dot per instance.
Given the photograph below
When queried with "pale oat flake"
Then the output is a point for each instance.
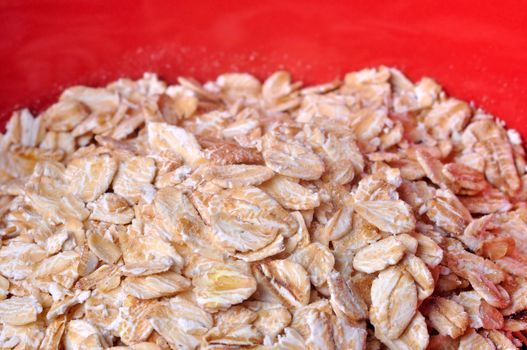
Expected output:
(366, 213)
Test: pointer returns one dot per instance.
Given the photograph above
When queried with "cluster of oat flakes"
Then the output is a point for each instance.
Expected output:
(368, 213)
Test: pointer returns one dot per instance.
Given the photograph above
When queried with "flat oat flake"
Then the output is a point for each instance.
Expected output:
(366, 213)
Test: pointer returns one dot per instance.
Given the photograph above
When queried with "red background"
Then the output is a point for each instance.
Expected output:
(476, 49)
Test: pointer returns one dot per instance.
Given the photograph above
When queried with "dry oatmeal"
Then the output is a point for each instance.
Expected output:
(366, 213)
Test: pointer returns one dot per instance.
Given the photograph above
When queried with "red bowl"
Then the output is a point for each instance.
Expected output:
(476, 49)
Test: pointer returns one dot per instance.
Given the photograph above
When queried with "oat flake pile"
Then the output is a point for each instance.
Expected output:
(369, 213)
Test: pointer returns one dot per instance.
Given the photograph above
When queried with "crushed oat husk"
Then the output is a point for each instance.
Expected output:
(366, 213)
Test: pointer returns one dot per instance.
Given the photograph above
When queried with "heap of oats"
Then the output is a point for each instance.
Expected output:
(370, 213)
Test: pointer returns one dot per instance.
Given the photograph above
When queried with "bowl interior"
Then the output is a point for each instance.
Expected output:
(476, 50)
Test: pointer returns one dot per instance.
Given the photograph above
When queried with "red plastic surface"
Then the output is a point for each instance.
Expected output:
(476, 49)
